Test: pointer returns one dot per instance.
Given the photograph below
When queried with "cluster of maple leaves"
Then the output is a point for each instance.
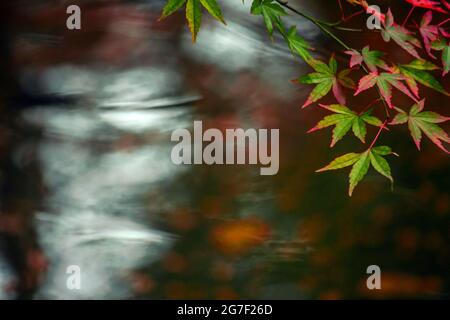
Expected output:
(377, 74)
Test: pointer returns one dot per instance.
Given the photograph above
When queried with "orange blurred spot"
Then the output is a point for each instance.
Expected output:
(403, 285)
(239, 236)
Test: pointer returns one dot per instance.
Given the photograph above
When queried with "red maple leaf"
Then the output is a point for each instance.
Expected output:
(427, 4)
(446, 4)
(428, 32)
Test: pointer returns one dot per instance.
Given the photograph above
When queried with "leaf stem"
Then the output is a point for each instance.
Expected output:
(321, 24)
(349, 29)
(369, 105)
(444, 22)
(407, 17)
(383, 126)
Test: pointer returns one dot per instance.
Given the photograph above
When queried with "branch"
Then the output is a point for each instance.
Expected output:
(323, 26)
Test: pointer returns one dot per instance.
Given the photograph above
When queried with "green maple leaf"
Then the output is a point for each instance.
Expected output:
(384, 81)
(193, 12)
(438, 44)
(298, 45)
(371, 58)
(417, 70)
(399, 35)
(271, 13)
(441, 45)
(326, 78)
(361, 163)
(171, 7)
(420, 121)
(446, 59)
(345, 119)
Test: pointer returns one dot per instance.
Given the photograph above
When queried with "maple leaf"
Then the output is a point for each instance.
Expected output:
(356, 58)
(345, 119)
(446, 59)
(370, 58)
(271, 13)
(384, 82)
(361, 163)
(446, 4)
(326, 78)
(427, 4)
(420, 121)
(441, 45)
(400, 35)
(428, 32)
(298, 45)
(417, 71)
(193, 12)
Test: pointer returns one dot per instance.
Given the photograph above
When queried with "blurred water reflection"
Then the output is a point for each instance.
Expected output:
(100, 159)
(111, 201)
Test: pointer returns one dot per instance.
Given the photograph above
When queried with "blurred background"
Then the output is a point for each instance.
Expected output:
(86, 177)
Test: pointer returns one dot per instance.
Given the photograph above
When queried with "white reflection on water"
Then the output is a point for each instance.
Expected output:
(104, 195)
(113, 88)
(138, 120)
(6, 280)
(97, 213)
(105, 247)
(244, 45)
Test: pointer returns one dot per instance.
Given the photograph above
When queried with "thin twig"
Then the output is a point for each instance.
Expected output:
(378, 133)
(444, 22)
(318, 23)
(348, 29)
(322, 26)
(369, 105)
(407, 17)
(354, 15)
